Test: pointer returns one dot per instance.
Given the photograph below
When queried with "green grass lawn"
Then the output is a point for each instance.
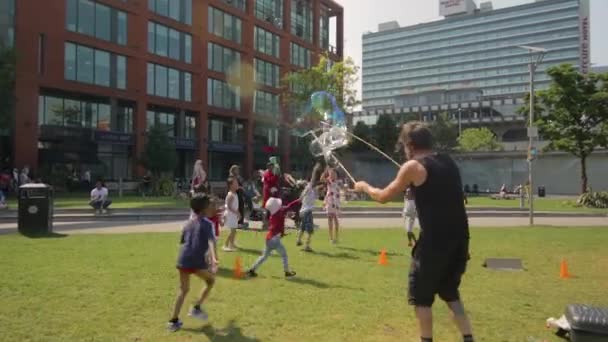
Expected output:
(121, 288)
(137, 202)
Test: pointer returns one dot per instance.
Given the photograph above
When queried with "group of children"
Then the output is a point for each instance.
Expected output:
(198, 251)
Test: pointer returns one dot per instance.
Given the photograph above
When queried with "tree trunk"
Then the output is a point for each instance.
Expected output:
(583, 174)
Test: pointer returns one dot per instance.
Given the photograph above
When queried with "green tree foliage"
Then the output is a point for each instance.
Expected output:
(159, 153)
(573, 113)
(337, 78)
(445, 133)
(364, 132)
(386, 134)
(478, 140)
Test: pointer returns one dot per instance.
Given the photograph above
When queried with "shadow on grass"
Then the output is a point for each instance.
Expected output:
(371, 251)
(225, 272)
(231, 332)
(44, 235)
(250, 251)
(335, 256)
(316, 283)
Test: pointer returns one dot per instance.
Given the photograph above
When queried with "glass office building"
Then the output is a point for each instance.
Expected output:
(469, 62)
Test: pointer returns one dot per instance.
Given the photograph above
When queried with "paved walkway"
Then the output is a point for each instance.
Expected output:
(96, 227)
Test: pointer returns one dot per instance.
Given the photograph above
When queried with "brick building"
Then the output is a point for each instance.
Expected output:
(93, 76)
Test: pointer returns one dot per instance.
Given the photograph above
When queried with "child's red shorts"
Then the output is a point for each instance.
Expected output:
(188, 270)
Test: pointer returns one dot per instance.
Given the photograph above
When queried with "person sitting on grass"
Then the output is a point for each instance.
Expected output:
(196, 256)
(275, 233)
(99, 198)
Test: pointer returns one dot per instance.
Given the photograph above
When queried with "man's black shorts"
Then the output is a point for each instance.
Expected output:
(437, 271)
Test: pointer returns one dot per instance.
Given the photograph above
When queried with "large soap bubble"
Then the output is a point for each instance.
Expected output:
(326, 104)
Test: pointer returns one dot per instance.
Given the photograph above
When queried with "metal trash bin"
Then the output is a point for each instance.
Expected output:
(541, 191)
(35, 209)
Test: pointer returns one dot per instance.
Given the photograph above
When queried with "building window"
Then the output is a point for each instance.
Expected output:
(7, 23)
(266, 73)
(324, 28)
(300, 56)
(168, 82)
(301, 19)
(164, 120)
(229, 131)
(97, 20)
(189, 127)
(266, 42)
(121, 72)
(270, 11)
(223, 59)
(265, 134)
(178, 10)
(224, 25)
(88, 65)
(74, 112)
(220, 94)
(266, 103)
(187, 48)
(240, 4)
(102, 68)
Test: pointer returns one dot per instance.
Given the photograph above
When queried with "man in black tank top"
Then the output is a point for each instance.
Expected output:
(440, 256)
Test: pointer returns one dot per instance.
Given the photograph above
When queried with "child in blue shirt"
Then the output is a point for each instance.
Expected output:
(197, 242)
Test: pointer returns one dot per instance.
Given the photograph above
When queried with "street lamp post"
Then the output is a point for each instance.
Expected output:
(459, 121)
(536, 57)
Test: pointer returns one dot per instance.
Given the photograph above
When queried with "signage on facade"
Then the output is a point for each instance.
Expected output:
(450, 7)
(585, 36)
(185, 144)
(114, 138)
(230, 148)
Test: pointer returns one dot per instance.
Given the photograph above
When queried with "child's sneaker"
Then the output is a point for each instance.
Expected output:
(252, 273)
(174, 326)
(289, 274)
(307, 249)
(227, 249)
(299, 243)
(198, 313)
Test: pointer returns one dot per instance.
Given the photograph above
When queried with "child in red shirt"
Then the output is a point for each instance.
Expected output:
(275, 233)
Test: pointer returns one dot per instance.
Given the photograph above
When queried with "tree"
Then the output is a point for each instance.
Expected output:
(478, 139)
(159, 153)
(445, 133)
(362, 131)
(385, 134)
(7, 86)
(337, 78)
(573, 113)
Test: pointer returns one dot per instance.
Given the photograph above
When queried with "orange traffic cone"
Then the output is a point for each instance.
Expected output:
(238, 269)
(383, 259)
(563, 269)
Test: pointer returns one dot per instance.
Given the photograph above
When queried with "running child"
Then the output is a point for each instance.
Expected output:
(332, 203)
(196, 242)
(308, 197)
(231, 214)
(275, 232)
(409, 213)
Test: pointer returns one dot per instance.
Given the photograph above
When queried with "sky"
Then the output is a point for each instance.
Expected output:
(364, 15)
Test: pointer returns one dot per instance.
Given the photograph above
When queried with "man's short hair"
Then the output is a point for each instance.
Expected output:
(417, 135)
(199, 203)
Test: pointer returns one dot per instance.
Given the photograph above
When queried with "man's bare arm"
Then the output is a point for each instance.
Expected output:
(405, 177)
